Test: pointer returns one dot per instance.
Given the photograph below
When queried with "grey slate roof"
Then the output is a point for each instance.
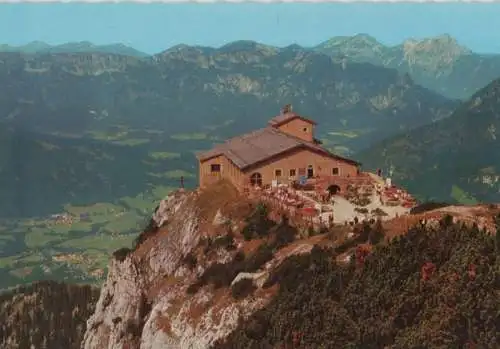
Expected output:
(257, 146)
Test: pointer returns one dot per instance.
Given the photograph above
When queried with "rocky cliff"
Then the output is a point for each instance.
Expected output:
(156, 296)
(216, 269)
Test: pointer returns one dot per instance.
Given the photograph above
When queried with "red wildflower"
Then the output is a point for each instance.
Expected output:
(427, 270)
(472, 271)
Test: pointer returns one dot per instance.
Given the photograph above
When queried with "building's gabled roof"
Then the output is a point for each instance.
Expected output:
(260, 145)
(286, 117)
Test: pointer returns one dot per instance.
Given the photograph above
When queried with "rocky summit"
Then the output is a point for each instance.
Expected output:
(439, 63)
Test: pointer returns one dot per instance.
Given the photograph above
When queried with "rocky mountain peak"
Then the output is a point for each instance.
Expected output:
(441, 44)
(357, 40)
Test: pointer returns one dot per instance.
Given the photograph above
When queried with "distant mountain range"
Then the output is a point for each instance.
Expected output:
(457, 158)
(181, 100)
(184, 89)
(37, 47)
(439, 63)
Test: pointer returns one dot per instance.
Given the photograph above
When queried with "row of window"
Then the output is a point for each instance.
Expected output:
(215, 168)
(302, 172)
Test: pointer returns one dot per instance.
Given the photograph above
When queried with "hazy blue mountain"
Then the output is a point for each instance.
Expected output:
(73, 47)
(439, 63)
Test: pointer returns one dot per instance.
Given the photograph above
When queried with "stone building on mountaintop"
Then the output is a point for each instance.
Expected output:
(283, 152)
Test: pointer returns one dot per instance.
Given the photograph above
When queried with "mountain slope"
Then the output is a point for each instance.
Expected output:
(41, 173)
(460, 153)
(439, 63)
(243, 83)
(415, 292)
(45, 315)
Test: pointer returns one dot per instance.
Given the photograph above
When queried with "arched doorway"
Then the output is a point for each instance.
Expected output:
(333, 189)
(256, 179)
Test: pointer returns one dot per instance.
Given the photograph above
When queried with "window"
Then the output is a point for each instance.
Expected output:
(304, 129)
(256, 179)
(335, 171)
(215, 168)
(277, 173)
(293, 172)
(310, 171)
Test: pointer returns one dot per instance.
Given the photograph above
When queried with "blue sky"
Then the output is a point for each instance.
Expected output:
(155, 27)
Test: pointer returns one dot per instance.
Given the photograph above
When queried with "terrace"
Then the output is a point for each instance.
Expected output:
(322, 202)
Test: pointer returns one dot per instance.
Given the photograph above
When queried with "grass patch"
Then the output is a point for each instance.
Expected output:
(159, 192)
(189, 136)
(8, 262)
(462, 197)
(66, 135)
(129, 221)
(344, 134)
(20, 260)
(92, 259)
(139, 202)
(340, 149)
(159, 155)
(99, 242)
(6, 237)
(107, 136)
(131, 141)
(215, 127)
(174, 174)
(39, 238)
(48, 146)
(154, 132)
(101, 208)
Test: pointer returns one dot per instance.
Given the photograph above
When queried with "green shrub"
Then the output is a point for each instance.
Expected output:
(149, 230)
(258, 224)
(121, 254)
(242, 288)
(260, 257)
(225, 241)
(427, 206)
(362, 210)
(194, 287)
(283, 233)
(377, 233)
(222, 274)
(219, 275)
